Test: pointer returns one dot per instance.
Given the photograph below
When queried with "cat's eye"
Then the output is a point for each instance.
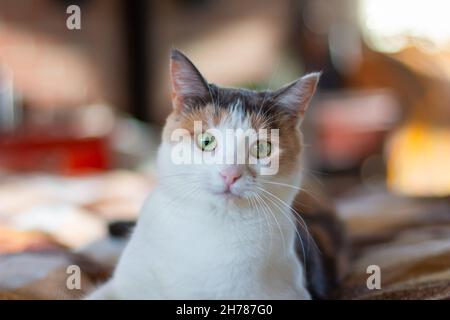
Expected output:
(206, 141)
(261, 149)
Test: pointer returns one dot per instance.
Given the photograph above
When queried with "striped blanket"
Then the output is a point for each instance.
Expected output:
(405, 241)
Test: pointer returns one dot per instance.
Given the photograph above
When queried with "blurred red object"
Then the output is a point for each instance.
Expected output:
(55, 154)
(350, 126)
(69, 141)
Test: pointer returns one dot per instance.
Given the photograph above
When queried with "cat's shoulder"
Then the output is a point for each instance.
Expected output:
(326, 257)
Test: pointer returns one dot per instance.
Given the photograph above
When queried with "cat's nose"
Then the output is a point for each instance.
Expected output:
(230, 175)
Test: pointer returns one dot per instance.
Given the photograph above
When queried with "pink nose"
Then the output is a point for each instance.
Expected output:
(230, 175)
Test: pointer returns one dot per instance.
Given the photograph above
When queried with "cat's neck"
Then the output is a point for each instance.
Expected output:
(265, 223)
(219, 205)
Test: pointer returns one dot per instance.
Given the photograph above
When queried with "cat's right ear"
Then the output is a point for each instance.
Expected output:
(187, 82)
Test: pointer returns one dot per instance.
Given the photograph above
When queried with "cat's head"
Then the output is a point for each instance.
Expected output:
(236, 144)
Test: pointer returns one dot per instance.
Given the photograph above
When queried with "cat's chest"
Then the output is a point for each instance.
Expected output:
(196, 234)
(212, 257)
(206, 233)
(185, 255)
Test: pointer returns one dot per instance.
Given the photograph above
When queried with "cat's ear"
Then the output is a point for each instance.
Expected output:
(187, 82)
(295, 97)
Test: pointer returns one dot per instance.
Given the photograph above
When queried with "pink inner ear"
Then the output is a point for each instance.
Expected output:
(177, 99)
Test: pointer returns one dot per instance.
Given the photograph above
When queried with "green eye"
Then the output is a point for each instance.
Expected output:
(206, 141)
(261, 149)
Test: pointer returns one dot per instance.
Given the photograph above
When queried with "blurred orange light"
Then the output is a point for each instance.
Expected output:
(419, 161)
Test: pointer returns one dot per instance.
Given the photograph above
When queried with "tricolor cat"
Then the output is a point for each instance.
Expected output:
(221, 230)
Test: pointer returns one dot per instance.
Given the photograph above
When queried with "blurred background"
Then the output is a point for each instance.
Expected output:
(81, 110)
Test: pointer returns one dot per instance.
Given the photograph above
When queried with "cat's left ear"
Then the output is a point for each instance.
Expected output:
(188, 85)
(295, 97)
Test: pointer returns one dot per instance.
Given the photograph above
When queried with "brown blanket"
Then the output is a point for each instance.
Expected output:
(408, 239)
(44, 275)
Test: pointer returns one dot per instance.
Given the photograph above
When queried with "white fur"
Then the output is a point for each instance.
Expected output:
(192, 243)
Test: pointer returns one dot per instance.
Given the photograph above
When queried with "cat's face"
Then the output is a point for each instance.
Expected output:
(237, 145)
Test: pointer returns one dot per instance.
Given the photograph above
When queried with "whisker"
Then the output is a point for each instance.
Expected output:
(290, 186)
(260, 214)
(295, 228)
(267, 208)
(297, 214)
(312, 174)
(266, 219)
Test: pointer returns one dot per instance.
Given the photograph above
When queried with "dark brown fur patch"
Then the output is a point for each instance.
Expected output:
(325, 254)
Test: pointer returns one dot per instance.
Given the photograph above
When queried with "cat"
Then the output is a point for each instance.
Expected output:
(224, 230)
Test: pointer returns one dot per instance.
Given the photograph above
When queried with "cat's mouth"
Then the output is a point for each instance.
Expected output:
(227, 193)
